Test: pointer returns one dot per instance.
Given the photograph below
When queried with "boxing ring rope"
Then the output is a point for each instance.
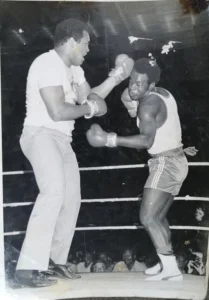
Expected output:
(129, 227)
(105, 200)
(193, 164)
(134, 199)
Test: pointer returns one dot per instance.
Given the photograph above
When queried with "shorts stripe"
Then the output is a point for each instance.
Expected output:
(158, 173)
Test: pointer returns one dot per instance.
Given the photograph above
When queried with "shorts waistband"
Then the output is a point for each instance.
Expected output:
(177, 152)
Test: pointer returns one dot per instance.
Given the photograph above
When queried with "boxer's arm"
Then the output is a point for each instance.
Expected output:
(145, 139)
(57, 108)
(105, 87)
(101, 90)
(123, 68)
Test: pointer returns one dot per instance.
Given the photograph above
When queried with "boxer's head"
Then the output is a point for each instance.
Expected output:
(72, 37)
(145, 74)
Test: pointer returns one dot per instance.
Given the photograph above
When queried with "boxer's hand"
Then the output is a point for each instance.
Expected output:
(97, 105)
(191, 151)
(123, 67)
(97, 137)
(132, 106)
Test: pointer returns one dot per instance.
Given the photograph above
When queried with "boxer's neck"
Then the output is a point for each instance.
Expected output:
(64, 57)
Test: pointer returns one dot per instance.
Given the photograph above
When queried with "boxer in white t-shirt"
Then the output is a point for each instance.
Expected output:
(57, 94)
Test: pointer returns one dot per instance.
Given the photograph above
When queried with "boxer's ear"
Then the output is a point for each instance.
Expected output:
(72, 43)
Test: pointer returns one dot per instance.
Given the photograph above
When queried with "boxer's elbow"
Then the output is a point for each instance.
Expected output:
(149, 143)
(144, 142)
(55, 114)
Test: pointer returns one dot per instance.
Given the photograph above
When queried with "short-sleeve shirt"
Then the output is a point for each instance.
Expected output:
(47, 70)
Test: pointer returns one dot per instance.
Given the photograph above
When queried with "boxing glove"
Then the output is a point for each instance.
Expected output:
(97, 137)
(132, 106)
(123, 68)
(97, 106)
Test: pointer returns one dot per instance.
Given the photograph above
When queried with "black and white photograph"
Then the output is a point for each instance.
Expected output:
(105, 149)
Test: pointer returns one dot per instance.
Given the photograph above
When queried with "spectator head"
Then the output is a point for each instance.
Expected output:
(103, 256)
(182, 257)
(88, 259)
(98, 267)
(129, 256)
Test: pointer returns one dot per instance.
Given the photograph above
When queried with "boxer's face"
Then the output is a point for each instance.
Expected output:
(80, 50)
(138, 85)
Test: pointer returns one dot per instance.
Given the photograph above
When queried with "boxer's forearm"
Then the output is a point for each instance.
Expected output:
(136, 141)
(104, 88)
(68, 112)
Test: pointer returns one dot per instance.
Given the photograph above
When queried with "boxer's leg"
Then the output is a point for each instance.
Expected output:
(47, 162)
(66, 222)
(164, 221)
(153, 204)
(167, 234)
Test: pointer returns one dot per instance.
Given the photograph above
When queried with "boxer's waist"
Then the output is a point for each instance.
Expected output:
(177, 152)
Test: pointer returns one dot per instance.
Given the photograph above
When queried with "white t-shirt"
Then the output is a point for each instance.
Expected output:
(47, 70)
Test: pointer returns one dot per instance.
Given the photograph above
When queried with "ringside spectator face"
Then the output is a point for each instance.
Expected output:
(128, 257)
(99, 267)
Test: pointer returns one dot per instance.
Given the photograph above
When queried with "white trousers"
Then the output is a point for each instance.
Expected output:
(53, 220)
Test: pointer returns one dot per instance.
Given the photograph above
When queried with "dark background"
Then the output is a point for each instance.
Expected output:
(185, 73)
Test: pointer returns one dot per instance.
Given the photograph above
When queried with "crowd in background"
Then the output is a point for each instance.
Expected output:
(189, 261)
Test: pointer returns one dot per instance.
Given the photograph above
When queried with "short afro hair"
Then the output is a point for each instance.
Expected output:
(69, 28)
(149, 67)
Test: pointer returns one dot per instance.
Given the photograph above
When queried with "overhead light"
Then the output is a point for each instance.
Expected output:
(93, 30)
(47, 32)
(169, 24)
(20, 30)
(21, 39)
(141, 22)
(111, 27)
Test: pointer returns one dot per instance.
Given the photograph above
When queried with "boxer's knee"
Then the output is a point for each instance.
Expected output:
(146, 218)
(54, 189)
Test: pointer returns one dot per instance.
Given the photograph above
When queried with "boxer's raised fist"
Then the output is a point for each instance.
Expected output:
(97, 105)
(123, 67)
(96, 136)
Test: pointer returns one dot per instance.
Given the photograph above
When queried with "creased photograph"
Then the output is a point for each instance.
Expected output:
(105, 138)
